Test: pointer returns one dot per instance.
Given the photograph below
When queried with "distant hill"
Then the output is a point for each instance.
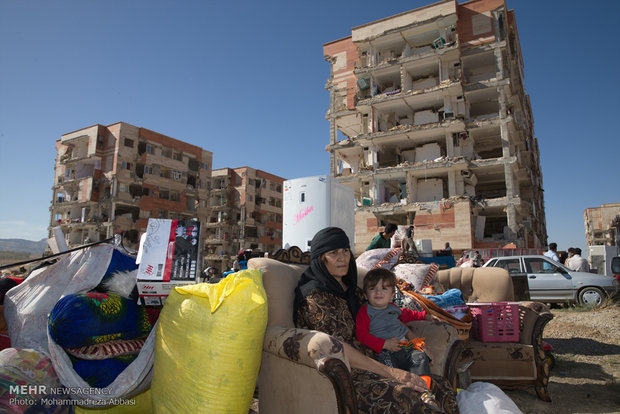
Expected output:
(21, 245)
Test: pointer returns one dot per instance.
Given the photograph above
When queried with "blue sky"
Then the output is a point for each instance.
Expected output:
(245, 80)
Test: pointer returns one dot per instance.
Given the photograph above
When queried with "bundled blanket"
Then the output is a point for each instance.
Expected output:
(94, 318)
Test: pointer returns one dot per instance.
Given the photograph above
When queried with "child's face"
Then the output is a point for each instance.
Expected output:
(380, 295)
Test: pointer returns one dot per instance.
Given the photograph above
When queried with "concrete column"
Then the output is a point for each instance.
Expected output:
(412, 188)
(452, 183)
(374, 189)
(333, 135)
(449, 144)
(511, 213)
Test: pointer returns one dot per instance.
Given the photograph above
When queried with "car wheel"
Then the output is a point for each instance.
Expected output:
(591, 296)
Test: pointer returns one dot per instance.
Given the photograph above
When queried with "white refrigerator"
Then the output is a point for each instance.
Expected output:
(313, 203)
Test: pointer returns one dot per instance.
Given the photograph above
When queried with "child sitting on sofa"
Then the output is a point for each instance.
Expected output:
(380, 325)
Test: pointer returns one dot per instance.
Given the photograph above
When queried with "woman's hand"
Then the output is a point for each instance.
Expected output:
(409, 379)
(392, 344)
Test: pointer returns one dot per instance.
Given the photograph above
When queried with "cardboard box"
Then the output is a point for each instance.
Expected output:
(155, 293)
(169, 256)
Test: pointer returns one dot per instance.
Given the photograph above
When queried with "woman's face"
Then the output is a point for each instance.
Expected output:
(337, 262)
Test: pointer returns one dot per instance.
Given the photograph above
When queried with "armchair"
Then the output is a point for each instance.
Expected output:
(509, 365)
(306, 371)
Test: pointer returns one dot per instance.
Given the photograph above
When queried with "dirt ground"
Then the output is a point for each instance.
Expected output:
(586, 376)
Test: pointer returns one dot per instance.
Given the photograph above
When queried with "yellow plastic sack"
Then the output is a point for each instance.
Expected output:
(139, 404)
(208, 346)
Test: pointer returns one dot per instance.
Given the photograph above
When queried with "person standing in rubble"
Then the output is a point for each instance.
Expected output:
(383, 239)
(408, 241)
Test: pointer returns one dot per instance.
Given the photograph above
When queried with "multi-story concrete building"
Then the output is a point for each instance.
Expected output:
(112, 179)
(603, 225)
(430, 124)
(246, 213)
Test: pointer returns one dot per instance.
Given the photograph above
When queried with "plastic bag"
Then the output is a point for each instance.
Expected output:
(27, 306)
(483, 398)
(27, 368)
(208, 347)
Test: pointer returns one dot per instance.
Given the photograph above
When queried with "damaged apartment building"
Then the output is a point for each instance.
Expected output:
(246, 213)
(112, 179)
(430, 124)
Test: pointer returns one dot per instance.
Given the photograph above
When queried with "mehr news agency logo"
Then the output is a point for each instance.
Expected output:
(44, 395)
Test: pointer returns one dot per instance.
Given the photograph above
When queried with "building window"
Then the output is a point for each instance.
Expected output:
(100, 142)
(204, 166)
(165, 172)
(174, 196)
(177, 156)
(279, 188)
(146, 191)
(166, 152)
(177, 175)
(128, 142)
(148, 169)
(150, 149)
(123, 188)
(249, 197)
(126, 165)
(164, 194)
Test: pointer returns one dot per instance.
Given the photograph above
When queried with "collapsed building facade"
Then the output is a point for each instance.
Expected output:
(430, 125)
(603, 225)
(246, 213)
(112, 179)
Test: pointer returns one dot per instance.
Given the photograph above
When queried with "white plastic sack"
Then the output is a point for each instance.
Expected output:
(485, 398)
(27, 308)
(28, 305)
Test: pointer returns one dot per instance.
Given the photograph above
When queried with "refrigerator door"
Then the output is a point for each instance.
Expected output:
(305, 210)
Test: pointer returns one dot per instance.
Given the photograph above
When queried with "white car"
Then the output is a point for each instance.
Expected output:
(552, 282)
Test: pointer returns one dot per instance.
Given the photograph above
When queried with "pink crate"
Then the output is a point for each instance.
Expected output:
(495, 322)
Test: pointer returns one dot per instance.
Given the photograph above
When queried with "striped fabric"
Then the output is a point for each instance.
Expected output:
(387, 258)
(108, 349)
(429, 278)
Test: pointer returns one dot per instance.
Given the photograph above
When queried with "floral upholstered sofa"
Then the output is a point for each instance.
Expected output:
(305, 371)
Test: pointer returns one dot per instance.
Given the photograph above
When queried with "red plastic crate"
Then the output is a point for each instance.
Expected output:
(495, 321)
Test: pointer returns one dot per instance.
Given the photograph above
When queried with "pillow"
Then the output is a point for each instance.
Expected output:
(412, 273)
(370, 258)
(108, 349)
(429, 278)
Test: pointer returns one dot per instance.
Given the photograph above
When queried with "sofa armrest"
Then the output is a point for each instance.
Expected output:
(303, 346)
(443, 347)
(533, 317)
(319, 351)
